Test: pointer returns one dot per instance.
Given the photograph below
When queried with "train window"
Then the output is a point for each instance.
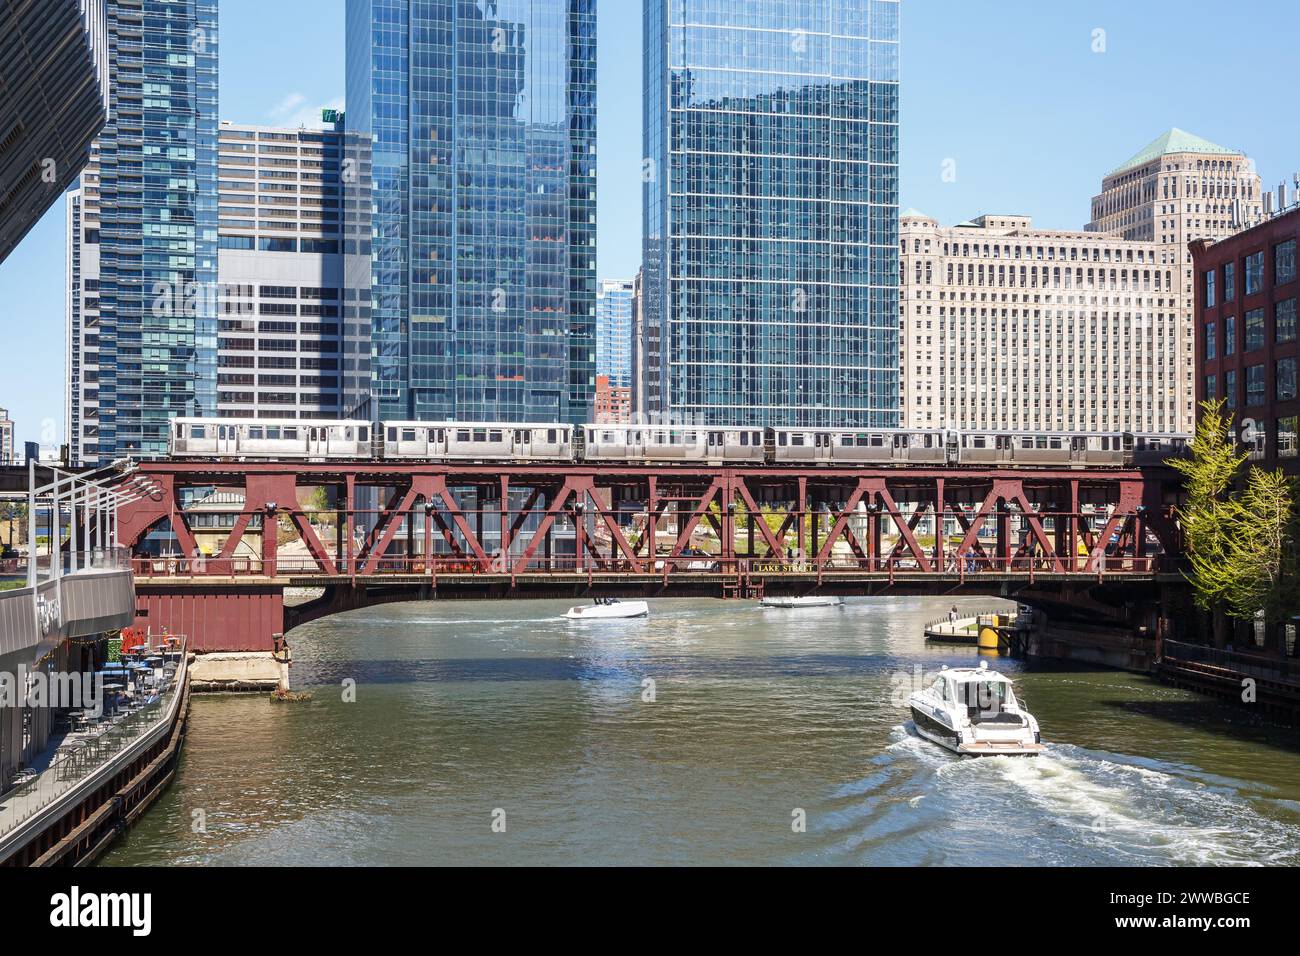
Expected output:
(255, 431)
(744, 438)
(690, 438)
(439, 434)
(607, 436)
(494, 435)
(291, 434)
(462, 434)
(550, 435)
(480, 434)
(180, 431)
(273, 431)
(408, 434)
(392, 434)
(796, 439)
(196, 431)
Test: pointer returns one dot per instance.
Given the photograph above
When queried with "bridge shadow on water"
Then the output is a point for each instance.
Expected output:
(1233, 723)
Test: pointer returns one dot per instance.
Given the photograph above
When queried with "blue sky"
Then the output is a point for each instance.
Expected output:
(1010, 90)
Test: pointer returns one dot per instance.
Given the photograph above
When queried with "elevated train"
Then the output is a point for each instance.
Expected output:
(524, 443)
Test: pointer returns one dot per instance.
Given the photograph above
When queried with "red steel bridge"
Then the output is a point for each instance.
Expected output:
(1100, 539)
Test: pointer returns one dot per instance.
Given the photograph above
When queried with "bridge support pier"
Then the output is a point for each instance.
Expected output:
(215, 616)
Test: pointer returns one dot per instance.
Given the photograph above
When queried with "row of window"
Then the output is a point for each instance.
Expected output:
(281, 244)
(1254, 332)
(1284, 384)
(1253, 270)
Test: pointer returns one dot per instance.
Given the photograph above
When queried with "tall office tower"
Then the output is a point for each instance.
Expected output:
(614, 331)
(470, 209)
(280, 271)
(638, 404)
(53, 100)
(771, 210)
(1178, 188)
(1010, 328)
(6, 438)
(142, 237)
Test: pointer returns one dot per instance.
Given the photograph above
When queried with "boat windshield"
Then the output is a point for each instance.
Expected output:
(986, 695)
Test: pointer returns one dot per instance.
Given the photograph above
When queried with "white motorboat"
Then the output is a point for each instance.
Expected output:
(810, 601)
(974, 711)
(608, 610)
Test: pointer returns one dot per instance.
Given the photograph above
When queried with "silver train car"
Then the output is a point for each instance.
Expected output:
(307, 440)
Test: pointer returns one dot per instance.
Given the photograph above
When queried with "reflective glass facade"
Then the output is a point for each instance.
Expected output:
(470, 209)
(771, 211)
(147, 324)
(614, 331)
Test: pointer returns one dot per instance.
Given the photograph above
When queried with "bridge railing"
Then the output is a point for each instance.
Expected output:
(1251, 665)
(960, 567)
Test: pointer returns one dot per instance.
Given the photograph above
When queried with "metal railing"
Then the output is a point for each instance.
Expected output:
(1251, 665)
(969, 566)
(87, 753)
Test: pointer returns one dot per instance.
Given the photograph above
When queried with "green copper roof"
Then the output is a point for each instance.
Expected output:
(1174, 141)
(912, 211)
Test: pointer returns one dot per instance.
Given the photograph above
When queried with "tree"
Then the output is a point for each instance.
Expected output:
(1207, 516)
(1241, 542)
(1261, 553)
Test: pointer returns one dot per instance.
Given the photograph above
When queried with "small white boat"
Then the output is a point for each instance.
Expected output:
(973, 711)
(611, 610)
(811, 601)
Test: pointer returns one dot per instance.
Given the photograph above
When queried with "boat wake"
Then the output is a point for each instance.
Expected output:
(920, 805)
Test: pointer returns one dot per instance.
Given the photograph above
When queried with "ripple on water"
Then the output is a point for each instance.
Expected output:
(462, 709)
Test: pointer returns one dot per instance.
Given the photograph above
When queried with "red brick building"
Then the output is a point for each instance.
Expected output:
(1246, 298)
(613, 403)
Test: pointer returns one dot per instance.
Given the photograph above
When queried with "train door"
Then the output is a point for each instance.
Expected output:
(716, 442)
(952, 447)
(227, 439)
(318, 441)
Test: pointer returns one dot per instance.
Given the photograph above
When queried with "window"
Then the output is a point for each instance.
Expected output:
(1230, 335)
(1211, 387)
(277, 244)
(1285, 379)
(1284, 320)
(1284, 262)
(1211, 346)
(1230, 388)
(1229, 281)
(1255, 386)
(1209, 289)
(236, 242)
(1254, 329)
(1286, 430)
(1254, 273)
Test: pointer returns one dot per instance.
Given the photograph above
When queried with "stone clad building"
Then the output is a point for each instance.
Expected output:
(1005, 326)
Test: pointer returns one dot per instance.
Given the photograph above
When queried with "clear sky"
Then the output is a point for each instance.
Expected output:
(1020, 95)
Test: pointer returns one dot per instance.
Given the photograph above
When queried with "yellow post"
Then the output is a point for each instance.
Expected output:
(988, 638)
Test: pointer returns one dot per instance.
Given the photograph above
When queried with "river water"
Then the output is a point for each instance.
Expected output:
(498, 733)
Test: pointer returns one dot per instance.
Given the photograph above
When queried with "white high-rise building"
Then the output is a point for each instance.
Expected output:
(280, 270)
(1008, 327)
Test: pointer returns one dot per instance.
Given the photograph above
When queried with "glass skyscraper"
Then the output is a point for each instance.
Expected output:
(614, 331)
(142, 242)
(470, 209)
(771, 211)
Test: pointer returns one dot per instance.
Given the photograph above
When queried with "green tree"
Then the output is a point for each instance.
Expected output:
(1261, 553)
(1208, 515)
